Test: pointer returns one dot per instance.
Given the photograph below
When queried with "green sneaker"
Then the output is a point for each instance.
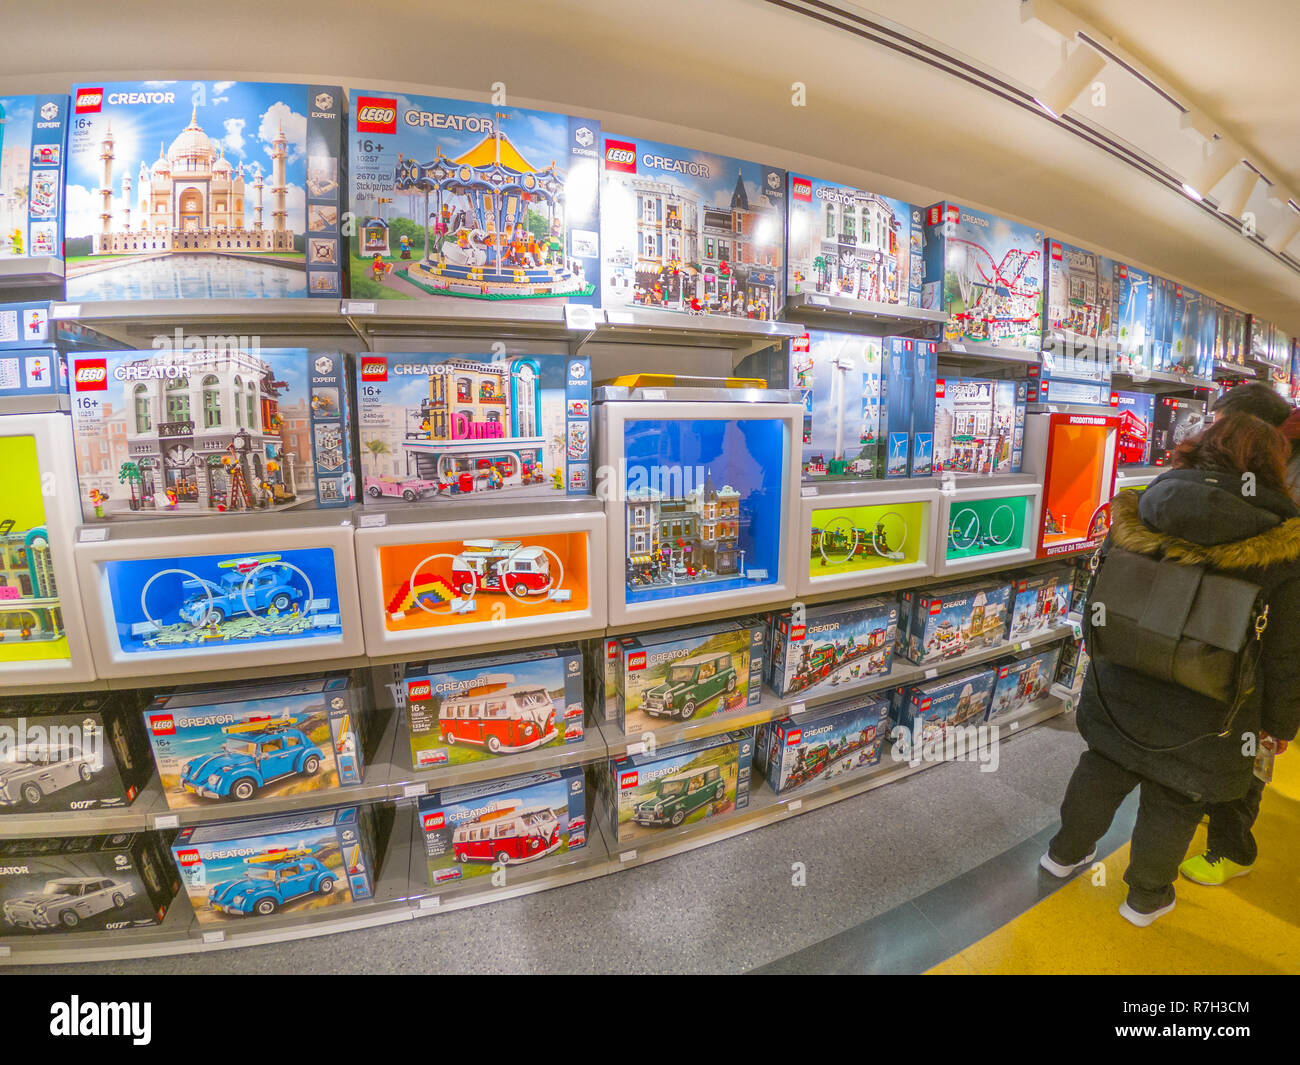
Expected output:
(1212, 870)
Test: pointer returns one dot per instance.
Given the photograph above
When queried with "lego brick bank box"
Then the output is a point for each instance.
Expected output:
(952, 619)
(260, 866)
(84, 883)
(841, 739)
(31, 178)
(832, 645)
(511, 821)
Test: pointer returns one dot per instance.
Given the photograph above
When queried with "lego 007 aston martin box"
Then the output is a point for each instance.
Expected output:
(31, 177)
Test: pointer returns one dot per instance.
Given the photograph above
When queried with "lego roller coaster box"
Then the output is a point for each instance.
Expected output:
(192, 431)
(228, 745)
(32, 130)
(833, 645)
(829, 743)
(442, 427)
(298, 863)
(951, 619)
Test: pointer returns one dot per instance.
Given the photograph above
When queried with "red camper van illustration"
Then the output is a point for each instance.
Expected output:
(499, 718)
(507, 832)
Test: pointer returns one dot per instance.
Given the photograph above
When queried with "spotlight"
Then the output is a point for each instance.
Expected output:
(1239, 191)
(1069, 82)
(1223, 158)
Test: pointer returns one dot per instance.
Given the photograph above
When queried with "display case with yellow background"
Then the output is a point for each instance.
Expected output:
(863, 538)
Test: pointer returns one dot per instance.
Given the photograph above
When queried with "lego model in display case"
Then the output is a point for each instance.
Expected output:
(472, 200)
(909, 376)
(1040, 600)
(841, 739)
(1074, 455)
(857, 245)
(1132, 319)
(1074, 310)
(986, 274)
(977, 423)
(451, 427)
(838, 377)
(470, 709)
(1176, 420)
(820, 648)
(1022, 681)
(190, 431)
(1137, 412)
(242, 199)
(691, 231)
(857, 539)
(296, 863)
(930, 708)
(32, 197)
(951, 619)
(983, 522)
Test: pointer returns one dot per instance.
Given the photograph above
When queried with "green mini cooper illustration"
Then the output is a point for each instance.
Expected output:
(679, 795)
(690, 683)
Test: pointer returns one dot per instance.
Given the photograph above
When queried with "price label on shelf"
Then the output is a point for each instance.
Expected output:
(92, 536)
(960, 348)
(635, 748)
(214, 937)
(795, 805)
(373, 521)
(796, 708)
(4, 952)
(654, 393)
(1076, 627)
(65, 312)
(431, 903)
(166, 821)
(1023, 645)
(931, 673)
(1015, 725)
(627, 856)
(620, 317)
(817, 301)
(351, 308)
(580, 316)
(414, 791)
(808, 491)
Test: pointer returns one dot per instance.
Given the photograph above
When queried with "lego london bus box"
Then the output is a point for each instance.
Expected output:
(474, 830)
(472, 201)
(838, 377)
(211, 430)
(204, 190)
(228, 745)
(441, 427)
(32, 130)
(824, 647)
(841, 739)
(691, 231)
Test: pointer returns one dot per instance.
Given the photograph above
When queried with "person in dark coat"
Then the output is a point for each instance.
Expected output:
(1202, 512)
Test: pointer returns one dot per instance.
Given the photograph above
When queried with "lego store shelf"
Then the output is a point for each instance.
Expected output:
(291, 322)
(1233, 369)
(994, 353)
(863, 316)
(642, 325)
(30, 272)
(49, 404)
(1137, 476)
(1163, 380)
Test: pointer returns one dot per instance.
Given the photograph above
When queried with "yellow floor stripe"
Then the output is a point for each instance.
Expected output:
(1250, 926)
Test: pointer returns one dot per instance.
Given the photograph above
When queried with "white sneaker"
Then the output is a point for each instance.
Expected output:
(1062, 871)
(1134, 917)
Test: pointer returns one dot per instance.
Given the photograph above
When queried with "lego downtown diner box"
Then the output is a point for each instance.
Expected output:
(31, 177)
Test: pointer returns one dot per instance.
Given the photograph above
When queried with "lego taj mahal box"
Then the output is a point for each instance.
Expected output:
(471, 200)
(838, 376)
(32, 130)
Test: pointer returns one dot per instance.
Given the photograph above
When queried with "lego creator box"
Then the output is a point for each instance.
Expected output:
(1022, 681)
(932, 707)
(838, 377)
(841, 739)
(263, 865)
(976, 422)
(678, 785)
(908, 374)
(833, 645)
(1040, 599)
(1132, 298)
(207, 431)
(32, 197)
(1073, 297)
(71, 752)
(986, 274)
(257, 741)
(449, 427)
(204, 190)
(31, 363)
(470, 831)
(852, 244)
(469, 709)
(471, 200)
(1185, 337)
(1175, 420)
(691, 231)
(84, 883)
(952, 619)
(1106, 303)
(681, 674)
(1137, 411)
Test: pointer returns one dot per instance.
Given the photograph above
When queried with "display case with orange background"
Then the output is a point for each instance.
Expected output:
(1075, 457)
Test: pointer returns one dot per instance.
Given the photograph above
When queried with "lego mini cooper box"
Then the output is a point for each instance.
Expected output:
(832, 645)
(691, 231)
(979, 425)
(838, 377)
(31, 178)
(470, 200)
(951, 619)
(472, 831)
(260, 866)
(449, 427)
(1022, 681)
(470, 709)
(191, 431)
(843, 738)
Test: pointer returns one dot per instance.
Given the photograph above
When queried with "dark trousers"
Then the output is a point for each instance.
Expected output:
(1230, 825)
(1166, 822)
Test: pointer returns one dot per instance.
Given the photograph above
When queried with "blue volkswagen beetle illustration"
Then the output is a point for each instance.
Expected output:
(271, 881)
(255, 754)
(254, 583)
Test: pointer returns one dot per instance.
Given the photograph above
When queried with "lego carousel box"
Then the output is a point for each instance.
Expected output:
(471, 831)
(691, 231)
(450, 427)
(1132, 298)
(1074, 456)
(32, 196)
(296, 864)
(1022, 681)
(258, 741)
(842, 739)
(823, 647)
(1073, 296)
(979, 425)
(856, 539)
(1175, 421)
(838, 377)
(986, 274)
(852, 244)
(84, 883)
(677, 785)
(242, 199)
(71, 752)
(1040, 600)
(932, 707)
(31, 363)
(952, 619)
(1137, 412)
(472, 201)
(909, 375)
(186, 431)
(471, 709)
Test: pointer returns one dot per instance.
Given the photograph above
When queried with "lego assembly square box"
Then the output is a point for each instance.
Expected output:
(1023, 681)
(838, 377)
(986, 523)
(471, 200)
(471, 709)
(204, 190)
(452, 428)
(261, 866)
(211, 431)
(842, 739)
(32, 197)
(1074, 455)
(825, 647)
(951, 619)
(857, 539)
(691, 231)
(472, 831)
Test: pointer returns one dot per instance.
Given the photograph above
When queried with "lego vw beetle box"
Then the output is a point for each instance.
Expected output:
(263, 865)
(468, 831)
(471, 709)
(832, 645)
(31, 176)
(952, 619)
(204, 190)
(1023, 680)
(230, 745)
(84, 883)
(441, 427)
(843, 738)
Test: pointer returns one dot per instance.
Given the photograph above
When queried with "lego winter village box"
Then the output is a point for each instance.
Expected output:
(1023, 680)
(930, 708)
(951, 619)
(32, 130)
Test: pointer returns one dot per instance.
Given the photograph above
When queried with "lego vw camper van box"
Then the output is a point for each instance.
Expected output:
(841, 739)
(204, 190)
(472, 201)
(1040, 600)
(852, 244)
(1137, 412)
(84, 883)
(1022, 681)
(838, 377)
(447, 427)
(471, 709)
(1176, 420)
(32, 130)
(824, 647)
(470, 831)
(259, 866)
(682, 784)
(260, 741)
(977, 423)
(691, 231)
(951, 619)
(932, 707)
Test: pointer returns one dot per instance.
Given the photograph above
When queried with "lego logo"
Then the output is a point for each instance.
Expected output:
(935, 607)
(188, 857)
(620, 155)
(374, 369)
(611, 650)
(933, 215)
(434, 821)
(636, 661)
(925, 704)
(162, 725)
(420, 690)
(1003, 672)
(627, 780)
(89, 101)
(795, 735)
(798, 632)
(90, 375)
(1056, 250)
(940, 388)
(376, 114)
(801, 189)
